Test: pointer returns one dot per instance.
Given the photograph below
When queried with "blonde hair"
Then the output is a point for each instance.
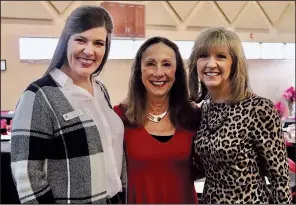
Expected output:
(215, 38)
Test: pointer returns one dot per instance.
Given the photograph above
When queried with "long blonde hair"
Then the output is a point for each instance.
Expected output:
(212, 38)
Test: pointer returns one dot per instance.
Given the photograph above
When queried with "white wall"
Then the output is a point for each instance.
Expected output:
(269, 78)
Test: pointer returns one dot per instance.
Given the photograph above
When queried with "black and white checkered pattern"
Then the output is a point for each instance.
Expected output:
(54, 160)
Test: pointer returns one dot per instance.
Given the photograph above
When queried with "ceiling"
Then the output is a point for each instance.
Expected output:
(274, 17)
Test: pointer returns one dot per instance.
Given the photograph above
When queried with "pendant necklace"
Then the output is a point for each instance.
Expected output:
(156, 118)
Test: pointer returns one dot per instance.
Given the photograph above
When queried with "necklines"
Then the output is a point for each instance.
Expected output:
(162, 138)
(146, 133)
(215, 125)
(209, 100)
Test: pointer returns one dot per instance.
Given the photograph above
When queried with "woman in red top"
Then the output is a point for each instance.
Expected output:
(159, 127)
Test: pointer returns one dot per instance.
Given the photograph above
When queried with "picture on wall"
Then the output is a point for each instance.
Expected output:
(3, 65)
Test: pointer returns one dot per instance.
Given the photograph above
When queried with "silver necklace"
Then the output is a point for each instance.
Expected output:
(156, 118)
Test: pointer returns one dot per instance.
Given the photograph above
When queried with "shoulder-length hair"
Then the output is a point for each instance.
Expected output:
(213, 38)
(180, 109)
(82, 19)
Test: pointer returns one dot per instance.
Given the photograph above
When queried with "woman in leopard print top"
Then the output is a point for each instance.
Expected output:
(240, 140)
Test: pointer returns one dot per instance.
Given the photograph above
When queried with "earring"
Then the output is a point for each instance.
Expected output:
(199, 89)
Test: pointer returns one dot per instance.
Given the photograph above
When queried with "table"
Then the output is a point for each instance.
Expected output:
(291, 147)
(5, 137)
(7, 116)
(288, 122)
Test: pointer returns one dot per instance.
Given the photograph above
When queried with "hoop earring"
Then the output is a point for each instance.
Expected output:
(207, 96)
(199, 88)
(202, 92)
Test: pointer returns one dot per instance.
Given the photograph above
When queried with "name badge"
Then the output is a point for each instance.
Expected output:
(73, 114)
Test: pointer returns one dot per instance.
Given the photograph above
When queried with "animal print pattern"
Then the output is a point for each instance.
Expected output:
(238, 145)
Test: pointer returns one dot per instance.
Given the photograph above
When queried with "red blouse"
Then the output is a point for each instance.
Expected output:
(159, 172)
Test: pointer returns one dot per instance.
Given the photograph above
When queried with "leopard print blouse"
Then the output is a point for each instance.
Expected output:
(238, 145)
